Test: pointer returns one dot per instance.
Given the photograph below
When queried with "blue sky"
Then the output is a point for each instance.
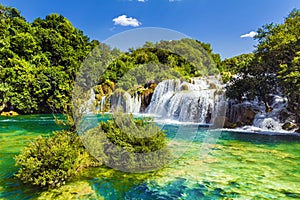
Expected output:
(218, 22)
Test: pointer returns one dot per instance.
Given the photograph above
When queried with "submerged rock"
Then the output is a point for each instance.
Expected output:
(75, 190)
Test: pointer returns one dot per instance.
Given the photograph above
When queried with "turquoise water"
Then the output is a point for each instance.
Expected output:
(239, 166)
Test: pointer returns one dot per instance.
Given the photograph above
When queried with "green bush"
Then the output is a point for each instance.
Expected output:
(128, 144)
(49, 162)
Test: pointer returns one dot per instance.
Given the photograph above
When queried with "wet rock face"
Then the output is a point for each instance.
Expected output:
(274, 115)
(239, 115)
(149, 83)
(146, 99)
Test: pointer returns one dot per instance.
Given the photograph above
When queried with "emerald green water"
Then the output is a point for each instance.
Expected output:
(239, 166)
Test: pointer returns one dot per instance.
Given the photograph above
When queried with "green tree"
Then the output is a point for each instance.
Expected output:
(274, 65)
(39, 61)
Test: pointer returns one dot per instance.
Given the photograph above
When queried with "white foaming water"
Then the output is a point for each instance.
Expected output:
(186, 102)
(197, 101)
(268, 121)
(89, 106)
(102, 103)
(126, 102)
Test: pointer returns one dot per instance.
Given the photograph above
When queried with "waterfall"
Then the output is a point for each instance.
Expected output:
(197, 101)
(88, 107)
(252, 115)
(102, 103)
(270, 120)
(128, 104)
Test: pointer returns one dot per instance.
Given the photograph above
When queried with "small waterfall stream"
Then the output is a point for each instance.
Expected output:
(270, 120)
(128, 104)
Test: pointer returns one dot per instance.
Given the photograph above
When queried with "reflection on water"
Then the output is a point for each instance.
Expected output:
(240, 166)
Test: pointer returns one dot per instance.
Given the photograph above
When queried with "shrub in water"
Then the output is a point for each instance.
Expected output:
(128, 144)
(51, 161)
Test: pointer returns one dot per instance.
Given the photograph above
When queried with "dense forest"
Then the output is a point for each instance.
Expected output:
(38, 61)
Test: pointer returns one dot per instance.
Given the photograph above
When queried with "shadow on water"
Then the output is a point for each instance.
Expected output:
(254, 138)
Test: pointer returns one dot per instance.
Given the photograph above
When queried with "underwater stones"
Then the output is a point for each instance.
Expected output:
(75, 190)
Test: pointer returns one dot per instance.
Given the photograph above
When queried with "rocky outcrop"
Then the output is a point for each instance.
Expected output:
(147, 95)
(288, 126)
(239, 114)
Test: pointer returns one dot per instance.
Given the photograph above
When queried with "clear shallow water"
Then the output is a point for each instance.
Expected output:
(239, 166)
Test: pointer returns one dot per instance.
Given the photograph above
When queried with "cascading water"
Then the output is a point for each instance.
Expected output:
(197, 101)
(88, 106)
(262, 120)
(128, 104)
(102, 103)
(270, 120)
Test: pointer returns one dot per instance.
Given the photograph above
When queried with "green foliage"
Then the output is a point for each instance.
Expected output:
(128, 144)
(157, 62)
(274, 66)
(50, 162)
(235, 65)
(38, 61)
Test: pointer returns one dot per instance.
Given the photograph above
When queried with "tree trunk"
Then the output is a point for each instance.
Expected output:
(298, 109)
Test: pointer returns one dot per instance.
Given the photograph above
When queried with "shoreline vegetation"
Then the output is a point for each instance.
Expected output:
(39, 62)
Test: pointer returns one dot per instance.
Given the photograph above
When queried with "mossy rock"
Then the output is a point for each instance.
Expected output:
(184, 87)
(289, 126)
(10, 113)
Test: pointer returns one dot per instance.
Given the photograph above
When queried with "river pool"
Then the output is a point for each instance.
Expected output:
(239, 166)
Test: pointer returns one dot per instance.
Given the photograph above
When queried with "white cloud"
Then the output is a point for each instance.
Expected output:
(123, 20)
(249, 35)
(141, 0)
(173, 0)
